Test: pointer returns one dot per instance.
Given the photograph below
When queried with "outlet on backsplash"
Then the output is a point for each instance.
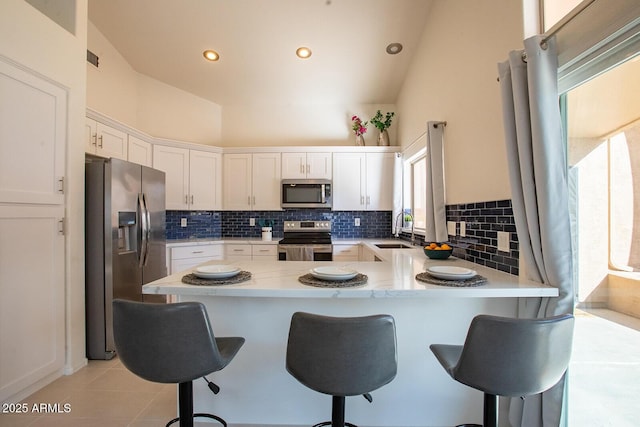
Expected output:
(183, 222)
(356, 222)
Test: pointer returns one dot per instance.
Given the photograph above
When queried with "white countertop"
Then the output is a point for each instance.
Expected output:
(392, 278)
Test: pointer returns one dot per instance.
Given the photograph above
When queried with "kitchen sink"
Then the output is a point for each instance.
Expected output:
(392, 246)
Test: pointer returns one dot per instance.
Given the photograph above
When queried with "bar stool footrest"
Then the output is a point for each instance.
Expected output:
(328, 423)
(203, 415)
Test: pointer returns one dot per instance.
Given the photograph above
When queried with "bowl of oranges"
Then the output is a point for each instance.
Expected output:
(438, 250)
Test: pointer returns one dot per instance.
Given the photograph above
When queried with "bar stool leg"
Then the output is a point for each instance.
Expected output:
(185, 398)
(490, 417)
(337, 411)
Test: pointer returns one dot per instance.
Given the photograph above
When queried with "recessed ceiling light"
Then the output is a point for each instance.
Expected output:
(303, 52)
(211, 55)
(394, 48)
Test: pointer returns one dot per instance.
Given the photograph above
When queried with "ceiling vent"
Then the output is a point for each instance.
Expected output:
(92, 58)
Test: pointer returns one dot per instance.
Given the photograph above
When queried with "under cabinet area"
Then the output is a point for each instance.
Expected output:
(186, 257)
(193, 177)
(306, 166)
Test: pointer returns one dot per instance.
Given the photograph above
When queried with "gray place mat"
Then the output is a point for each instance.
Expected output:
(359, 280)
(476, 280)
(192, 279)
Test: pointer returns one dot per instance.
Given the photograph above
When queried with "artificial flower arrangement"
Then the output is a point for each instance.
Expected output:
(359, 127)
(379, 123)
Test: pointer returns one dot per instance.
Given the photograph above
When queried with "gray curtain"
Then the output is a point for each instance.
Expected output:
(436, 226)
(536, 155)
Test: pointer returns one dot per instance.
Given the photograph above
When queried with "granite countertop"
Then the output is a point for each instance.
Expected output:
(394, 277)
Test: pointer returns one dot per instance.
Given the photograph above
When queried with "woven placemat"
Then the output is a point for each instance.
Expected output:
(476, 280)
(359, 280)
(192, 279)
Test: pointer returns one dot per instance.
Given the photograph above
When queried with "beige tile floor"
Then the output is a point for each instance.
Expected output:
(104, 393)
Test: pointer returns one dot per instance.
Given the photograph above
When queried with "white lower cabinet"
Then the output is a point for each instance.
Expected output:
(186, 257)
(346, 252)
(264, 252)
(237, 251)
(32, 296)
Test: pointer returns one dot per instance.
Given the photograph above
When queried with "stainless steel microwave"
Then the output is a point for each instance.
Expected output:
(306, 193)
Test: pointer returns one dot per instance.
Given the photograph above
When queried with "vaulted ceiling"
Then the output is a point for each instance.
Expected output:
(257, 40)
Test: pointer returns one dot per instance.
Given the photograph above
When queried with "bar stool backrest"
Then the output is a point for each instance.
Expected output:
(515, 357)
(342, 356)
(165, 343)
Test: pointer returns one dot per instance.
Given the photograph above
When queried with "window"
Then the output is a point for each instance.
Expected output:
(415, 177)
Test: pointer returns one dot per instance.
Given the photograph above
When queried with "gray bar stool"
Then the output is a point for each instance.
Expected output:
(342, 356)
(509, 357)
(172, 343)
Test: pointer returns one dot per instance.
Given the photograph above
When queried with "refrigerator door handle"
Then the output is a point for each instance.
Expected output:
(143, 229)
(148, 215)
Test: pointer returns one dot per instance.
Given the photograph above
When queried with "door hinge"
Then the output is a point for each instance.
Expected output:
(61, 226)
(61, 185)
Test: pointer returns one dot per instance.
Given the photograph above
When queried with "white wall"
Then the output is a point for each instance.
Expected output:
(31, 39)
(309, 124)
(120, 92)
(453, 78)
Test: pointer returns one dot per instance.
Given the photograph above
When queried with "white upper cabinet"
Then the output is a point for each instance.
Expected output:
(306, 165)
(193, 177)
(139, 151)
(363, 181)
(252, 181)
(105, 141)
(33, 123)
(205, 180)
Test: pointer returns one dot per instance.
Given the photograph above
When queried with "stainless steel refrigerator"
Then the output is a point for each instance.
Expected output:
(125, 242)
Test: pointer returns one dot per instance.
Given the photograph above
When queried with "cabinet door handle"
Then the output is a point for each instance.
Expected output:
(186, 199)
(362, 200)
(238, 250)
(301, 168)
(308, 168)
(249, 200)
(254, 200)
(95, 139)
(192, 199)
(368, 200)
(100, 138)
(197, 252)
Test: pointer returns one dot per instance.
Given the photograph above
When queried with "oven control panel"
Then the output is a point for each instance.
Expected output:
(307, 226)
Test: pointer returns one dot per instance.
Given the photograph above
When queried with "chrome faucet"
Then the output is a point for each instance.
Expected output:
(397, 233)
(413, 236)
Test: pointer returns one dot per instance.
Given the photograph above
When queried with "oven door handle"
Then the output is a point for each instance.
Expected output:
(323, 194)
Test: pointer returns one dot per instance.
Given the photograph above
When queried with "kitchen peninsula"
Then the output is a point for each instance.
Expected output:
(256, 389)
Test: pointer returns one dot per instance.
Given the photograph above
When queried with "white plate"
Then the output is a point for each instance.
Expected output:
(216, 271)
(451, 273)
(333, 273)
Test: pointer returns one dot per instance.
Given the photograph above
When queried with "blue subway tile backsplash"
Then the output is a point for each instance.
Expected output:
(210, 224)
(480, 245)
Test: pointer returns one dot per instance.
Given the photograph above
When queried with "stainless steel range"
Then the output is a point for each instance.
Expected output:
(306, 241)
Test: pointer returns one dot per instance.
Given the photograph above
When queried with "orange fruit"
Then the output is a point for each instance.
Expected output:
(445, 246)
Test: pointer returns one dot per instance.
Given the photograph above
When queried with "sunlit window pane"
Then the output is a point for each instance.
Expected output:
(419, 193)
